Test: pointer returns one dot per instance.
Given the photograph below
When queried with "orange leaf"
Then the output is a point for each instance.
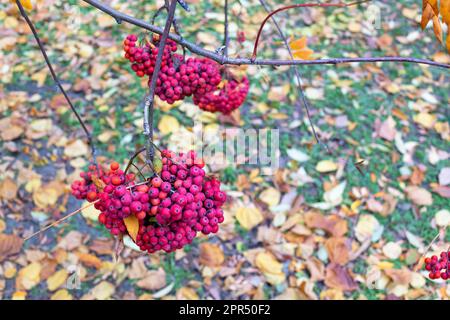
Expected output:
(437, 28)
(448, 42)
(445, 12)
(433, 4)
(25, 3)
(298, 44)
(304, 54)
(427, 14)
(132, 224)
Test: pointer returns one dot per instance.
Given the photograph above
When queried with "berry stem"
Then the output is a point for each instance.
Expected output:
(56, 79)
(149, 101)
(298, 5)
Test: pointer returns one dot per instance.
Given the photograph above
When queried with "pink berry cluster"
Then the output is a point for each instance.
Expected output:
(438, 267)
(170, 208)
(228, 99)
(197, 77)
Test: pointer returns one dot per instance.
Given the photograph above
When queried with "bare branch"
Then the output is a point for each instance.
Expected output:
(296, 72)
(56, 79)
(247, 61)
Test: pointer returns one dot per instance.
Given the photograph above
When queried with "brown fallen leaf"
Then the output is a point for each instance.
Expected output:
(338, 277)
(338, 249)
(332, 224)
(89, 260)
(10, 244)
(211, 255)
(154, 280)
(8, 189)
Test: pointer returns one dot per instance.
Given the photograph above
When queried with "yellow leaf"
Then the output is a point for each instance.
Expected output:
(90, 212)
(326, 166)
(75, 149)
(168, 124)
(103, 290)
(270, 196)
(57, 280)
(19, 295)
(425, 119)
(270, 267)
(61, 294)
(132, 224)
(25, 3)
(29, 276)
(248, 217)
(447, 42)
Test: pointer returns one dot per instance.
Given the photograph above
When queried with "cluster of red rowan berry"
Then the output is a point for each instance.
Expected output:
(177, 79)
(171, 207)
(439, 267)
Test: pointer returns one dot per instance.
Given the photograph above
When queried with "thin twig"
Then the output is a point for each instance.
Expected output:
(60, 220)
(296, 72)
(226, 39)
(75, 212)
(419, 263)
(299, 5)
(247, 61)
(148, 106)
(56, 79)
(134, 156)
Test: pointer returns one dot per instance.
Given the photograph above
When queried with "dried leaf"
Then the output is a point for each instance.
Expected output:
(57, 280)
(168, 124)
(8, 189)
(270, 196)
(338, 277)
(249, 217)
(338, 250)
(132, 224)
(332, 224)
(270, 267)
(10, 244)
(154, 280)
(419, 196)
(211, 255)
(104, 290)
(326, 166)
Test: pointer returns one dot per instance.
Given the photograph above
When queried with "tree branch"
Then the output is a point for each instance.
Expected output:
(296, 72)
(247, 61)
(56, 79)
(148, 106)
(226, 39)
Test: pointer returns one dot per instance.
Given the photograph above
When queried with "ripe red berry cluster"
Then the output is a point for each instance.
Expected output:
(439, 267)
(228, 99)
(184, 202)
(171, 208)
(177, 79)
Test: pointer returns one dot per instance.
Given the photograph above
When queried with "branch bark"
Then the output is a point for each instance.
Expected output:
(148, 106)
(248, 61)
